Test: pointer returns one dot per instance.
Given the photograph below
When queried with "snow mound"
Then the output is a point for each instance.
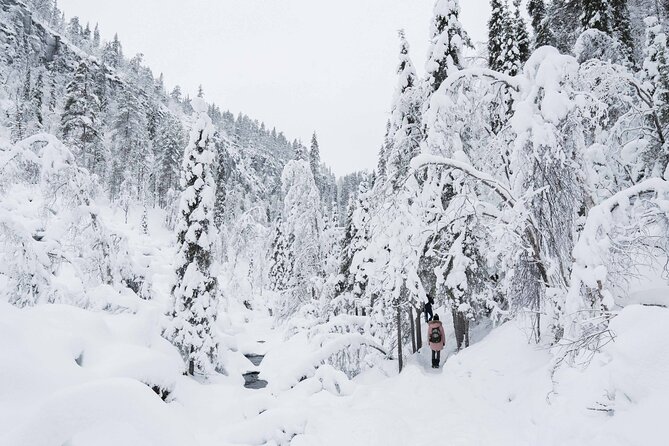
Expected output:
(101, 407)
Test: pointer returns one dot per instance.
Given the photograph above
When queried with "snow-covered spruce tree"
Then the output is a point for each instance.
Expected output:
(405, 119)
(221, 191)
(281, 260)
(194, 295)
(503, 56)
(448, 38)
(499, 34)
(168, 146)
(315, 162)
(112, 53)
(37, 101)
(596, 14)
(352, 279)
(345, 304)
(520, 37)
(43, 8)
(332, 237)
(655, 82)
(542, 34)
(301, 152)
(129, 141)
(564, 19)
(96, 37)
(444, 59)
(605, 32)
(622, 29)
(79, 123)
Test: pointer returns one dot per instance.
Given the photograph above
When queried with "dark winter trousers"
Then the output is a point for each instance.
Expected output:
(428, 312)
(436, 358)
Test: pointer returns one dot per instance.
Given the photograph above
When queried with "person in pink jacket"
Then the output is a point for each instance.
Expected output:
(437, 338)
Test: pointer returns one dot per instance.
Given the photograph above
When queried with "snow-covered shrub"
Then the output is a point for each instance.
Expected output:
(51, 226)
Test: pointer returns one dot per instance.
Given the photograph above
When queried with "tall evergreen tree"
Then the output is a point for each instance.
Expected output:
(43, 8)
(281, 262)
(596, 14)
(221, 191)
(129, 139)
(112, 53)
(79, 123)
(176, 93)
(352, 280)
(655, 77)
(315, 162)
(541, 31)
(499, 34)
(194, 295)
(448, 38)
(520, 36)
(405, 119)
(620, 17)
(301, 153)
(37, 99)
(96, 36)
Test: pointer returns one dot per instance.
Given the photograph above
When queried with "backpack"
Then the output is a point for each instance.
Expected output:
(435, 335)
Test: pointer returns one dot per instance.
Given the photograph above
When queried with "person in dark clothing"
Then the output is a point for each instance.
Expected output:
(437, 339)
(427, 309)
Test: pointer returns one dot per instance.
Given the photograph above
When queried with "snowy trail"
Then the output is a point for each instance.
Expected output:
(398, 409)
(497, 392)
(460, 405)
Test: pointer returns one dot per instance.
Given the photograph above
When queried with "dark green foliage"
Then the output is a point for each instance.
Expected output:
(281, 259)
(79, 124)
(499, 33)
(622, 29)
(596, 14)
(520, 37)
(542, 33)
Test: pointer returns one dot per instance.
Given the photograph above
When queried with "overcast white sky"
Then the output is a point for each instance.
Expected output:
(299, 65)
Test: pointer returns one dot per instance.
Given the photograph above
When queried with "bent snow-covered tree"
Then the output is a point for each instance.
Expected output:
(192, 317)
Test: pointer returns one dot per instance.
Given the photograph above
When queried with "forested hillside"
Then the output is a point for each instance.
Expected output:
(158, 253)
(128, 132)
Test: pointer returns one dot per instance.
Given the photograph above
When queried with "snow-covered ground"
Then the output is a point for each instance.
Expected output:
(78, 378)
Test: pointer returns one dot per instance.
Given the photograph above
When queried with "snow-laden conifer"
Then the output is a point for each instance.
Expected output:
(194, 294)
(405, 122)
(447, 41)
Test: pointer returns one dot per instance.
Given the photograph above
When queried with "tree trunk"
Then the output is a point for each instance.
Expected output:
(419, 329)
(466, 330)
(191, 363)
(461, 328)
(399, 337)
(413, 330)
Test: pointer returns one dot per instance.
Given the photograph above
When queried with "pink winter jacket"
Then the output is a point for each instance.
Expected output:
(440, 346)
